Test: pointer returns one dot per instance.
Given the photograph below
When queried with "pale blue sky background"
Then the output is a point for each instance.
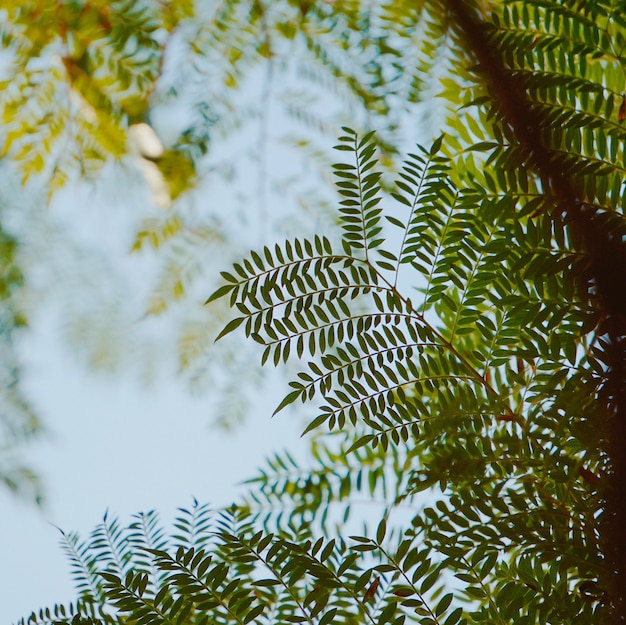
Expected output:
(115, 445)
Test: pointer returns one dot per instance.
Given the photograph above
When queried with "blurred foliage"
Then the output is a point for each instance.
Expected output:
(116, 92)
(18, 423)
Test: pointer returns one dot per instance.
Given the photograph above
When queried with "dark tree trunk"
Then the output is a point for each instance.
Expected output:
(600, 235)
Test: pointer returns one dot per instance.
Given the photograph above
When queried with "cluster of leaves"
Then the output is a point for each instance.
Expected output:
(493, 393)
(220, 567)
(83, 70)
(78, 73)
(456, 366)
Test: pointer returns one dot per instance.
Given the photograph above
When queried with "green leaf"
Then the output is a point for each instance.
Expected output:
(220, 292)
(289, 399)
(230, 326)
(381, 531)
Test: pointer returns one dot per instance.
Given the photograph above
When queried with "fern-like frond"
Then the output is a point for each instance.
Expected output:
(192, 525)
(358, 186)
(299, 296)
(84, 567)
(476, 381)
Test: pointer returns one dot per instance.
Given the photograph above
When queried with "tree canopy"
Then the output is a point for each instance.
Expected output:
(461, 336)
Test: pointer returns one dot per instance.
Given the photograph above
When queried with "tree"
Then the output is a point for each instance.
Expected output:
(466, 345)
